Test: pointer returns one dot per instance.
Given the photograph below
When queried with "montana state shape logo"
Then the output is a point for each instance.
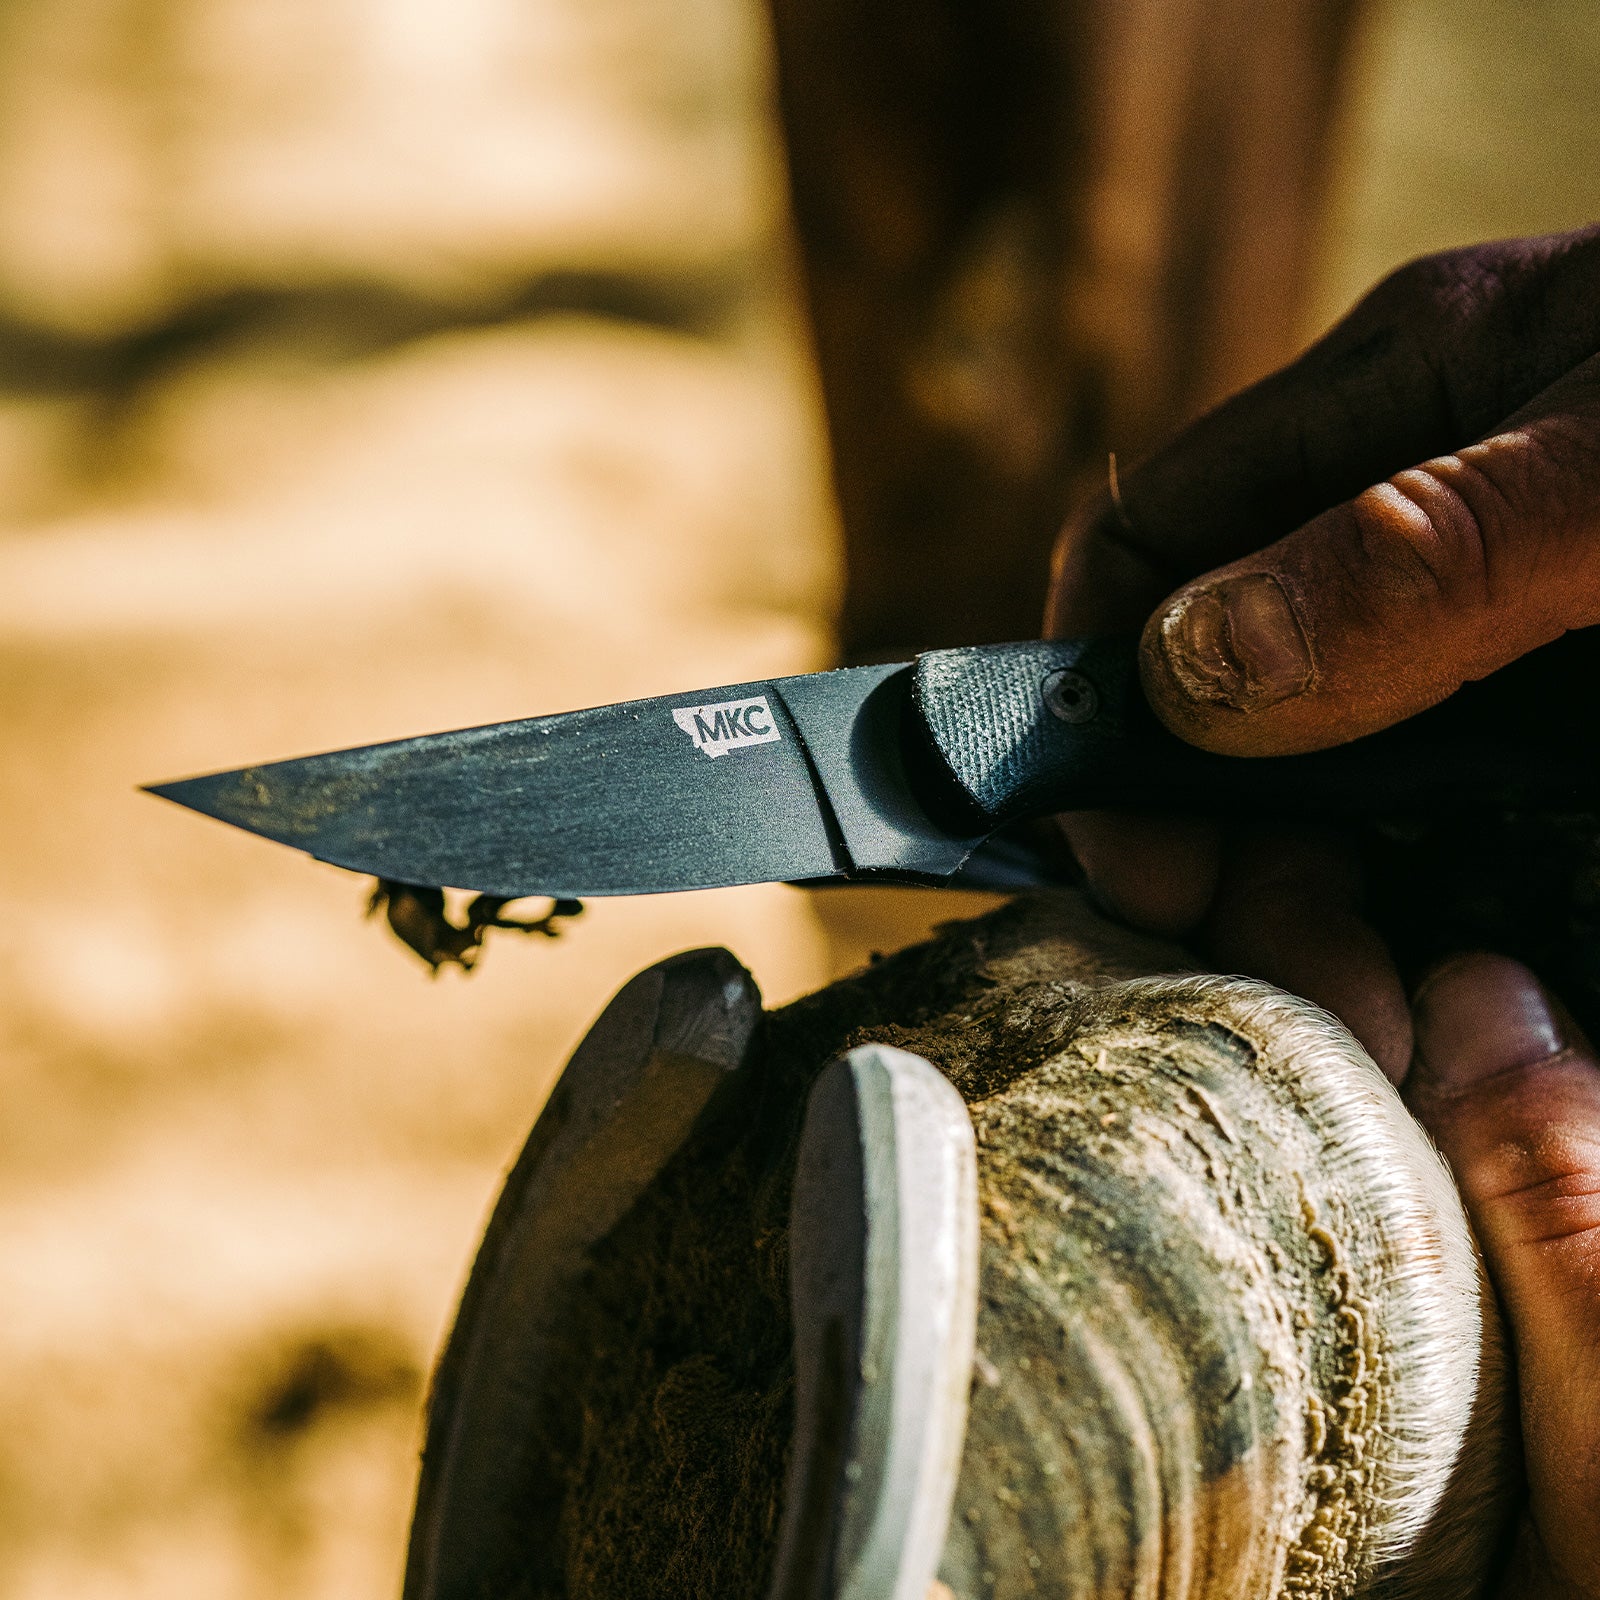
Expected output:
(729, 726)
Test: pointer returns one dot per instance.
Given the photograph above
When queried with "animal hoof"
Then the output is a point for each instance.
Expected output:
(625, 1105)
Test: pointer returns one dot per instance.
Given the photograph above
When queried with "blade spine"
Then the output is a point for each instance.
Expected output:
(687, 696)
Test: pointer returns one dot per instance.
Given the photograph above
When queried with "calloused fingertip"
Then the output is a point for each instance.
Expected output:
(1225, 664)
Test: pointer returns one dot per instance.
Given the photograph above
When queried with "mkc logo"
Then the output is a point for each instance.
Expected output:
(730, 726)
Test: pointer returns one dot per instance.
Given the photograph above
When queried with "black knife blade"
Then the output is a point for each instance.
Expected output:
(792, 779)
(892, 773)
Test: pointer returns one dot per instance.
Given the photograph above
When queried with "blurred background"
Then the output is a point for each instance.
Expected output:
(375, 366)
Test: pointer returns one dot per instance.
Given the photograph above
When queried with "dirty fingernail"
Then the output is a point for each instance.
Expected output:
(1237, 643)
(1480, 1015)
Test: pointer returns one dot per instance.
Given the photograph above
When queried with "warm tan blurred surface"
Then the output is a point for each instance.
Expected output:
(305, 442)
(1465, 120)
(368, 368)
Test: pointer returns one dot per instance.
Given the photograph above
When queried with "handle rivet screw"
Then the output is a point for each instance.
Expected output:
(1070, 696)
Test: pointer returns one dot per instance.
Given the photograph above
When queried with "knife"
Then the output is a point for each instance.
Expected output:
(891, 773)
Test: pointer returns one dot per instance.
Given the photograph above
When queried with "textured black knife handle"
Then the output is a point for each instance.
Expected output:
(1021, 730)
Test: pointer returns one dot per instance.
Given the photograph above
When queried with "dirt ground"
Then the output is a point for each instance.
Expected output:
(368, 369)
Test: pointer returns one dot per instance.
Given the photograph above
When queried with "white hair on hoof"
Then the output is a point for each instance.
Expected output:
(1261, 1315)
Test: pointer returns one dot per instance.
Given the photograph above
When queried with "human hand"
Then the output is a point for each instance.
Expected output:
(1510, 1090)
(1412, 504)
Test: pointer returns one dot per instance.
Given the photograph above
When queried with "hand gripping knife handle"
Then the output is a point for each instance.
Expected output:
(1022, 730)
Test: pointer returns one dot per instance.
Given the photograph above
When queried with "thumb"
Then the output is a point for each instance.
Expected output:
(1511, 1093)
(1390, 602)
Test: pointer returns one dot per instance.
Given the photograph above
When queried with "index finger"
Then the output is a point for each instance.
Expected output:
(1430, 360)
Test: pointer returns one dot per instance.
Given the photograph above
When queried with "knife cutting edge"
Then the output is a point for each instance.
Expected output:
(893, 773)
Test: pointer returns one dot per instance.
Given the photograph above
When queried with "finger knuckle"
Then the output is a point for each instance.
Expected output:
(1479, 320)
(1554, 1205)
(1557, 458)
(1534, 494)
(1445, 290)
(1416, 288)
(1542, 1176)
(1424, 541)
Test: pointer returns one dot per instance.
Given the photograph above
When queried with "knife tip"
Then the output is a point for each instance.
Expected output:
(194, 794)
(171, 790)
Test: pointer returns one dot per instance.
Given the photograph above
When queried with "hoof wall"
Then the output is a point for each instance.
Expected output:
(883, 1279)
